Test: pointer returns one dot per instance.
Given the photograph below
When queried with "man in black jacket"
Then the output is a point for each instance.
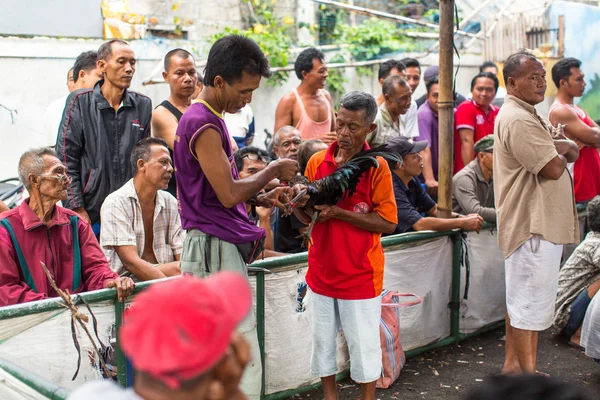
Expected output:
(99, 128)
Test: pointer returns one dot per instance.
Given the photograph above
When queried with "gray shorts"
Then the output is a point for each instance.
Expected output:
(203, 255)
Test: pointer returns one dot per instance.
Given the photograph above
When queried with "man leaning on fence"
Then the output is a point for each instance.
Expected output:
(535, 208)
(39, 230)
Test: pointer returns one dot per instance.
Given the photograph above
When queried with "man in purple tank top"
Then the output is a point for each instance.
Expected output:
(211, 196)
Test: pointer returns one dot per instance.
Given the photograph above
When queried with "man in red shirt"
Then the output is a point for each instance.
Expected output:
(41, 231)
(345, 262)
(474, 119)
(568, 78)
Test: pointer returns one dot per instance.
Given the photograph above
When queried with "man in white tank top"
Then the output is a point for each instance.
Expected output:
(309, 107)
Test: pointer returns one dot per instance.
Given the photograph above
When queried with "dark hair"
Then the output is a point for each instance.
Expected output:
(239, 155)
(176, 52)
(305, 152)
(488, 64)
(562, 69)
(512, 65)
(86, 61)
(304, 62)
(433, 81)
(232, 55)
(526, 387)
(357, 101)
(105, 49)
(390, 83)
(143, 150)
(411, 62)
(386, 68)
(31, 162)
(485, 75)
(592, 214)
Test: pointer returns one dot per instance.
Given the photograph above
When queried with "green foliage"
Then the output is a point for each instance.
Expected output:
(336, 79)
(371, 39)
(271, 33)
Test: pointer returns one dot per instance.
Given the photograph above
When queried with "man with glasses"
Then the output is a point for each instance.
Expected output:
(39, 231)
(141, 231)
(473, 186)
(397, 101)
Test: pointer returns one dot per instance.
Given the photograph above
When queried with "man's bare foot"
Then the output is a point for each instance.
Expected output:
(511, 369)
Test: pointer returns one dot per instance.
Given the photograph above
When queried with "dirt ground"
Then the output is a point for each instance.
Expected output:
(450, 372)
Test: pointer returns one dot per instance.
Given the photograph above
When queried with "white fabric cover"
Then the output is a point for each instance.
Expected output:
(486, 301)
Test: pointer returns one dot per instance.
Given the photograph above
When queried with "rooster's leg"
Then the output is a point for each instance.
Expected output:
(306, 235)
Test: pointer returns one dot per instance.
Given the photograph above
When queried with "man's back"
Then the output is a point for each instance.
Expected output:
(95, 144)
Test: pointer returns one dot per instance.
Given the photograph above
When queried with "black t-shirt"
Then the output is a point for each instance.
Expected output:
(286, 233)
(411, 201)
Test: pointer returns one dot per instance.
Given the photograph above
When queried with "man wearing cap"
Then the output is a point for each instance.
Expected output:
(412, 200)
(192, 351)
(473, 186)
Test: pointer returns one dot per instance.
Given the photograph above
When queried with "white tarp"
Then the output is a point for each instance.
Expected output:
(486, 301)
(47, 348)
(13, 389)
(425, 270)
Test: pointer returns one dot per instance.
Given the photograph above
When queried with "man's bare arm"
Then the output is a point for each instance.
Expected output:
(142, 269)
(467, 145)
(284, 113)
(164, 125)
(576, 128)
(216, 167)
(372, 222)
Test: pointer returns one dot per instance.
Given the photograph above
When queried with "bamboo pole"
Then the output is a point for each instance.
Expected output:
(561, 36)
(446, 109)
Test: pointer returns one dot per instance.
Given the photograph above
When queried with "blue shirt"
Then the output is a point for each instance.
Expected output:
(411, 201)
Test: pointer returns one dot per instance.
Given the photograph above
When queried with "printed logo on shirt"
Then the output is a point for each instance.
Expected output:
(479, 120)
(362, 208)
(137, 124)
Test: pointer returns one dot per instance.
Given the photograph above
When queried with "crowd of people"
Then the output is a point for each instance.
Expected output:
(133, 193)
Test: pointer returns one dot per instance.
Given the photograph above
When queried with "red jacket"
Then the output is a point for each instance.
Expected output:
(54, 246)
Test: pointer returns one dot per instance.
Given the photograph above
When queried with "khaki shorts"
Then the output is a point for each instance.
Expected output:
(203, 255)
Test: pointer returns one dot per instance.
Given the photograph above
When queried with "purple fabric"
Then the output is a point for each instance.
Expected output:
(428, 130)
(199, 206)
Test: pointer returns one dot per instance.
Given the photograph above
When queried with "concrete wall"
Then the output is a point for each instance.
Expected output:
(34, 74)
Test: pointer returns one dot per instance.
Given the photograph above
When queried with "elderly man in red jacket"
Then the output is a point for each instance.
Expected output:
(41, 231)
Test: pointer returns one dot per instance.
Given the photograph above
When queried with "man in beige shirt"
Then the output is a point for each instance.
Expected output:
(535, 208)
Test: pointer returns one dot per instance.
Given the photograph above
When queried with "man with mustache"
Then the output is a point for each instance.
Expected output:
(141, 230)
(39, 230)
(181, 75)
(309, 107)
(100, 127)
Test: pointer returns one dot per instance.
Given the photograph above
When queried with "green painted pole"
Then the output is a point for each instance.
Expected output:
(36, 382)
(260, 325)
(121, 361)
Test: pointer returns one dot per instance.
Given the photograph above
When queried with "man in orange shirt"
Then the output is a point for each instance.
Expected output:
(345, 273)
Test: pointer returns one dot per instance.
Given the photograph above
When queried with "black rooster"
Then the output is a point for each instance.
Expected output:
(339, 185)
